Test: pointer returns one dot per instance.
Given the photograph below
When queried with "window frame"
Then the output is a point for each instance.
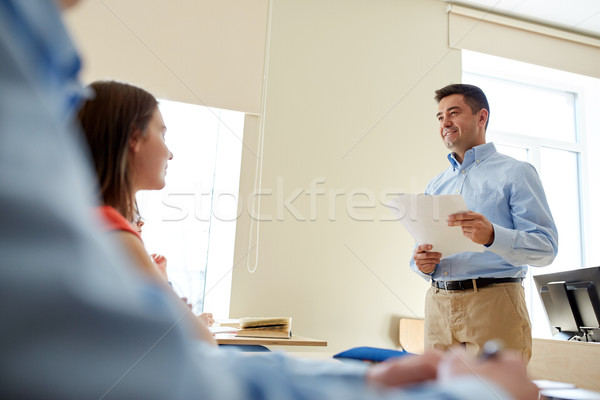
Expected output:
(479, 64)
(204, 204)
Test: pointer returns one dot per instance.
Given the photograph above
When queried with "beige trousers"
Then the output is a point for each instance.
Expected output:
(472, 317)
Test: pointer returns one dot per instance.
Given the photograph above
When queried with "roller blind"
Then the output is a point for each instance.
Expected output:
(204, 52)
(523, 41)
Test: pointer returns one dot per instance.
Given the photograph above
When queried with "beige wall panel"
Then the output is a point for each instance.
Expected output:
(349, 105)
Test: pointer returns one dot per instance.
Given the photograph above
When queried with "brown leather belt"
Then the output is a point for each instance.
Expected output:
(468, 283)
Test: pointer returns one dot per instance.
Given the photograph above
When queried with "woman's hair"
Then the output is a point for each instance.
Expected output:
(109, 120)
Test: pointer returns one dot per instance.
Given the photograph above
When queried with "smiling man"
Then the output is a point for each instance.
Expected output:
(476, 297)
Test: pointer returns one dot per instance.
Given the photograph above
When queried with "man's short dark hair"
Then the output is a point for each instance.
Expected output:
(473, 96)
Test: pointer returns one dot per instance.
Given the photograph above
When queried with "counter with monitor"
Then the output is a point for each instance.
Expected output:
(572, 302)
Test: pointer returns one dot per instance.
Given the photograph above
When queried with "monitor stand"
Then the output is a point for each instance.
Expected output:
(590, 335)
(566, 336)
(586, 335)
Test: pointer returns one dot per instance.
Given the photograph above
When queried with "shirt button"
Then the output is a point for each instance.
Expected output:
(464, 172)
(446, 273)
(456, 191)
(477, 161)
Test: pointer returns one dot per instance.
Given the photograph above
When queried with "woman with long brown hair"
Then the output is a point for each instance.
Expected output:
(125, 132)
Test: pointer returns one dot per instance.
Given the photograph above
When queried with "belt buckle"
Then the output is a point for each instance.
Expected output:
(446, 285)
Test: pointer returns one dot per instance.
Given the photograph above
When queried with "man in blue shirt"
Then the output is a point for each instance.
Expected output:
(79, 321)
(476, 297)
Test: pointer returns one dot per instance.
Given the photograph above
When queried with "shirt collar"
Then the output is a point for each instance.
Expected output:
(476, 154)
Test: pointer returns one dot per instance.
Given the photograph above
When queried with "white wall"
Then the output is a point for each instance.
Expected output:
(349, 100)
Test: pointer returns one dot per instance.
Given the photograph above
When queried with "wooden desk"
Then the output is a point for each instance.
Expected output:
(231, 338)
(572, 362)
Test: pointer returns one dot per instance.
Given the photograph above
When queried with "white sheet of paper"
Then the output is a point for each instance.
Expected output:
(425, 218)
(222, 329)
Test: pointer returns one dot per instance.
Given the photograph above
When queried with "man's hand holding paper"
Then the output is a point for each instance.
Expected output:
(425, 259)
(441, 225)
(474, 226)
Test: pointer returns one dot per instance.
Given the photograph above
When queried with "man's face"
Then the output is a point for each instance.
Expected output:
(460, 128)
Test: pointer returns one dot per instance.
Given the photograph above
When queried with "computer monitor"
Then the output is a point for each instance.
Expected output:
(572, 302)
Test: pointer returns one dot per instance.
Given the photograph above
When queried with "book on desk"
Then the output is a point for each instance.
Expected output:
(262, 327)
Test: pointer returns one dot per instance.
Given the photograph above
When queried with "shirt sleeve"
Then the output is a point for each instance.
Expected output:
(275, 376)
(533, 239)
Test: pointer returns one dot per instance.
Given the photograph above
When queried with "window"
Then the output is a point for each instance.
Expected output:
(192, 220)
(543, 116)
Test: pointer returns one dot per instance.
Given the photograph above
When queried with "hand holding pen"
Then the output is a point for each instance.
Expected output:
(491, 350)
(505, 368)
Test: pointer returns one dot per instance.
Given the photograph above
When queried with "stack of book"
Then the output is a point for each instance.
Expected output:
(266, 327)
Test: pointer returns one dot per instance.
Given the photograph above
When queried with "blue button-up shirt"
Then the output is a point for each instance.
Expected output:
(510, 195)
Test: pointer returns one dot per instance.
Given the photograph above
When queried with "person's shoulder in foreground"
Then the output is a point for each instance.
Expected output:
(79, 322)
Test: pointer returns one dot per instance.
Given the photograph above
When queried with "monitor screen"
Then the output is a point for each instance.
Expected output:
(572, 302)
